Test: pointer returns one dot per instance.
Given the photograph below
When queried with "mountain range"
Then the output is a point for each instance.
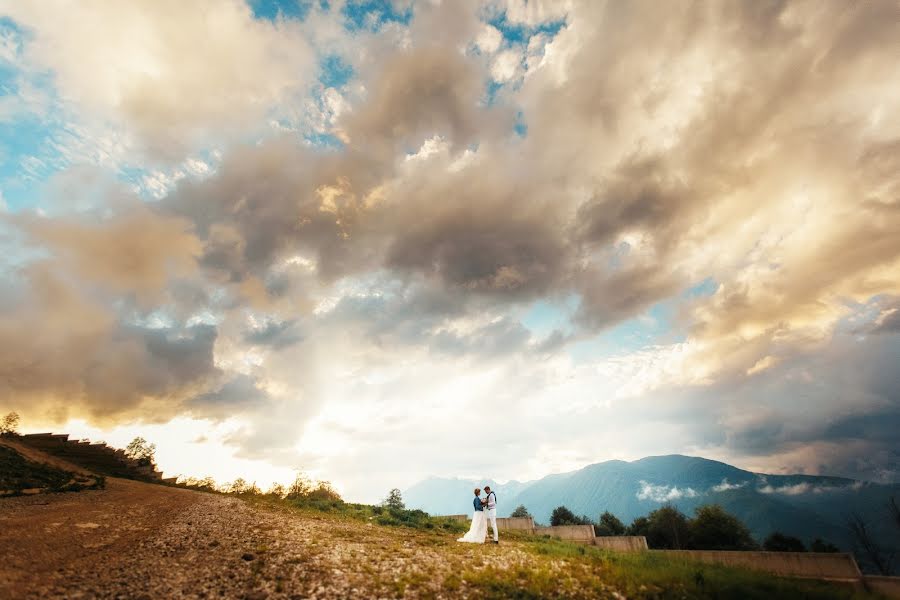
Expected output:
(805, 506)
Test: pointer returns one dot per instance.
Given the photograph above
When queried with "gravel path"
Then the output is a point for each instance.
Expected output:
(141, 541)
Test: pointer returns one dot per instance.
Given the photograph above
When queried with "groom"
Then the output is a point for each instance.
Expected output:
(490, 510)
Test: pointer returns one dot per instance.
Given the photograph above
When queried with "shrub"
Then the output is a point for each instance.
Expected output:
(779, 542)
(207, 484)
(609, 525)
(714, 529)
(299, 488)
(521, 512)
(323, 492)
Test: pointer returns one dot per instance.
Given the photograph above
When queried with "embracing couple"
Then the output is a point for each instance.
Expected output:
(485, 510)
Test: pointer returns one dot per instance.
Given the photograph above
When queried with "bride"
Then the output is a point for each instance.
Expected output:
(478, 531)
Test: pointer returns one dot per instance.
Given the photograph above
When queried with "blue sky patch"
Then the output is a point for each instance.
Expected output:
(273, 9)
(373, 14)
(516, 33)
(334, 72)
(544, 317)
(325, 141)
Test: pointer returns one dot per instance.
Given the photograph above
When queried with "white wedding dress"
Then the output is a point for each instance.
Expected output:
(477, 531)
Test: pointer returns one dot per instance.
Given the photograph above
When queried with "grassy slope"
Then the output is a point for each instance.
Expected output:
(528, 566)
(18, 474)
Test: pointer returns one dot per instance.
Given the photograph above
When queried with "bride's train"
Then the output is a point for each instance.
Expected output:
(477, 531)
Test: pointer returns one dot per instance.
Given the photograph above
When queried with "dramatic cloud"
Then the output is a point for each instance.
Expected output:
(532, 224)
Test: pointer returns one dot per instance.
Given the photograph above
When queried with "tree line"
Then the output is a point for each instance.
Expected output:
(711, 528)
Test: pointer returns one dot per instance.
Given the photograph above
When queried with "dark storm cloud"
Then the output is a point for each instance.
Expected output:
(482, 248)
(832, 411)
(64, 354)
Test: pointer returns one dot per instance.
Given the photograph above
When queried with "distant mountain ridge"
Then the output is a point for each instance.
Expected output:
(805, 506)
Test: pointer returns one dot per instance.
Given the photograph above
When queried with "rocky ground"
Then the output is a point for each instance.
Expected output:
(134, 540)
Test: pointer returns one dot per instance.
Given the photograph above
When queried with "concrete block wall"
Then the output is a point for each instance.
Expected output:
(837, 566)
(524, 524)
(454, 517)
(622, 543)
(97, 457)
(889, 587)
(572, 533)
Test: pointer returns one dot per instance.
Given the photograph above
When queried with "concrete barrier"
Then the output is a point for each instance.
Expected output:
(524, 524)
(572, 533)
(888, 587)
(832, 566)
(622, 543)
(454, 517)
(96, 457)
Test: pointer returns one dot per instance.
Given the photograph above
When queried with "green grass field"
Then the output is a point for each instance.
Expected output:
(527, 566)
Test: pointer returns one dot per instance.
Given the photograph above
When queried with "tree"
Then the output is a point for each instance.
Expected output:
(142, 451)
(277, 491)
(394, 501)
(609, 525)
(779, 542)
(640, 526)
(520, 513)
(712, 528)
(894, 509)
(820, 545)
(563, 516)
(866, 546)
(667, 528)
(9, 425)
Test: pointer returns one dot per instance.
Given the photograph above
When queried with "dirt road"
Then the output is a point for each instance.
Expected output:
(125, 541)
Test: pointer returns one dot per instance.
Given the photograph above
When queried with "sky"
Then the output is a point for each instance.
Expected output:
(376, 241)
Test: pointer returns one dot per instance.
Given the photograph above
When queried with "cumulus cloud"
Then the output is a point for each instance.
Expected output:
(726, 486)
(799, 489)
(632, 155)
(141, 64)
(664, 493)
